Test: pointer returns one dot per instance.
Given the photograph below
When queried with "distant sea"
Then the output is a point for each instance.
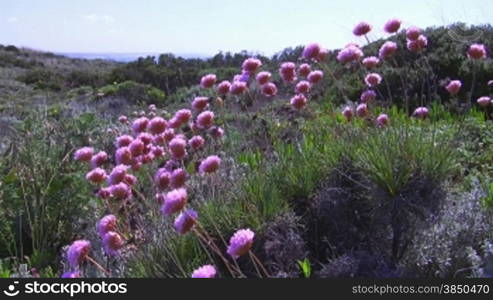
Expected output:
(124, 57)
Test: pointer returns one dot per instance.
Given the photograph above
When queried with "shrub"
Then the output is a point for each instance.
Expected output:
(42, 79)
(135, 92)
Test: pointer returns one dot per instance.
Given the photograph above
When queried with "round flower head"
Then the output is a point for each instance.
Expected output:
(196, 142)
(71, 274)
(99, 159)
(311, 51)
(84, 154)
(210, 164)
(382, 120)
(362, 28)
(251, 64)
(362, 110)
(130, 179)
(140, 124)
(216, 132)
(157, 151)
(104, 193)
(124, 156)
(302, 87)
(315, 76)
(78, 252)
(106, 224)
(240, 243)
(421, 112)
(347, 113)
(206, 271)
(162, 179)
(453, 87)
(174, 123)
(174, 201)
(223, 87)
(157, 125)
(243, 77)
(304, 70)
(373, 79)
(145, 137)
(123, 141)
(185, 221)
(412, 33)
(136, 147)
(178, 178)
(201, 103)
(96, 176)
(417, 45)
(298, 101)
(183, 115)
(112, 242)
(269, 89)
(123, 119)
(368, 96)
(263, 77)
(476, 51)
(322, 55)
(205, 119)
(208, 81)
(350, 53)
(117, 174)
(484, 101)
(120, 191)
(177, 148)
(238, 87)
(371, 62)
(387, 49)
(288, 71)
(392, 26)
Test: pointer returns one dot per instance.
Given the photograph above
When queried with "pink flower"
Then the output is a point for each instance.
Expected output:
(124, 156)
(104, 193)
(238, 87)
(371, 62)
(157, 125)
(223, 88)
(476, 51)
(251, 64)
(392, 26)
(130, 179)
(157, 151)
(382, 120)
(205, 119)
(315, 76)
(145, 137)
(263, 77)
(84, 154)
(350, 53)
(362, 110)
(322, 55)
(302, 87)
(96, 176)
(185, 221)
(368, 96)
(196, 142)
(421, 112)
(174, 201)
(152, 107)
(311, 51)
(162, 179)
(136, 147)
(484, 101)
(177, 148)
(453, 87)
(120, 191)
(112, 242)
(123, 119)
(140, 124)
(174, 123)
(106, 224)
(200, 103)
(206, 271)
(361, 28)
(216, 132)
(288, 71)
(183, 115)
(169, 134)
(208, 81)
(178, 178)
(304, 70)
(99, 159)
(210, 164)
(373, 79)
(490, 83)
(387, 49)
(347, 113)
(117, 174)
(298, 101)
(240, 243)
(78, 252)
(269, 89)
(417, 45)
(123, 141)
(412, 33)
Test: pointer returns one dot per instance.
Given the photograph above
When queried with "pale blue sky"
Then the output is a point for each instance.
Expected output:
(207, 26)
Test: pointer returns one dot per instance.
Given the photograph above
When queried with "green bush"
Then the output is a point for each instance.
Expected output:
(135, 92)
(43, 79)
